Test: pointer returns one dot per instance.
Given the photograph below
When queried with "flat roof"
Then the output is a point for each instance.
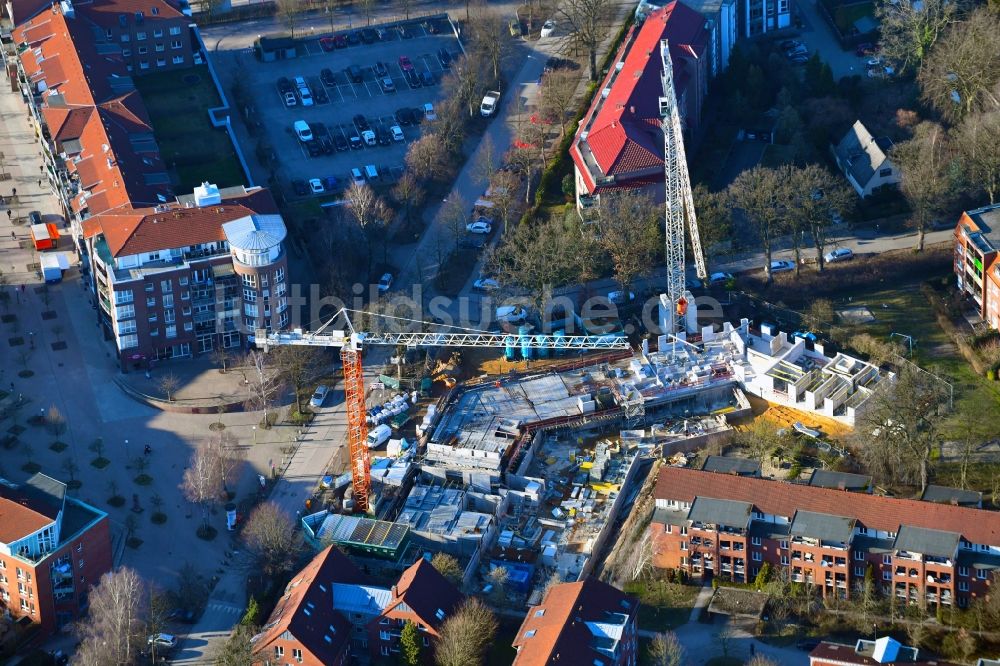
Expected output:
(826, 478)
(731, 465)
(822, 526)
(946, 495)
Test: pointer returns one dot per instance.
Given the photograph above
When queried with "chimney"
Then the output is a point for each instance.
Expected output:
(394, 593)
(842, 485)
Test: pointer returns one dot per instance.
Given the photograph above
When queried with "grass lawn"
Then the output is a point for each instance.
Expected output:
(662, 605)
(910, 313)
(846, 15)
(193, 150)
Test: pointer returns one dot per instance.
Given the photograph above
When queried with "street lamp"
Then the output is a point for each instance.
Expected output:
(126, 450)
(254, 435)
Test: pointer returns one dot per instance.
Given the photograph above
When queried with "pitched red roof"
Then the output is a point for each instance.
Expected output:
(784, 499)
(306, 609)
(623, 129)
(426, 591)
(555, 630)
(23, 512)
(105, 13)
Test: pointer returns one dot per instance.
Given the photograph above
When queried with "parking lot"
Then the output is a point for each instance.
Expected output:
(365, 106)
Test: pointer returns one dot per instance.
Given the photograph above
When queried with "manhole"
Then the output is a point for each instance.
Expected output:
(192, 79)
(49, 314)
(58, 346)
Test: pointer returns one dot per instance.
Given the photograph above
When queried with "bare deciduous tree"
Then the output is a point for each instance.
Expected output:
(923, 176)
(757, 194)
(371, 214)
(427, 158)
(454, 214)
(961, 72)
(298, 367)
(408, 195)
(628, 230)
(55, 421)
(979, 151)
(666, 650)
(812, 196)
(587, 23)
(271, 538)
(263, 381)
(491, 38)
(204, 479)
(466, 635)
(909, 30)
(289, 11)
(168, 383)
(448, 567)
(899, 429)
(714, 220)
(503, 194)
(557, 96)
(465, 81)
(113, 631)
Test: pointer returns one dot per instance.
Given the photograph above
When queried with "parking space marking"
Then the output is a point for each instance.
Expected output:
(373, 88)
(313, 48)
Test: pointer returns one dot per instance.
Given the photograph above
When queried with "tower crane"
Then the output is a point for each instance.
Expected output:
(679, 201)
(351, 342)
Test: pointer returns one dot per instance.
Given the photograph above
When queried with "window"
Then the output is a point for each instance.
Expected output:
(177, 60)
(279, 275)
(279, 651)
(140, 36)
(384, 650)
(168, 300)
(783, 544)
(540, 612)
(160, 47)
(154, 332)
(963, 586)
(128, 341)
(125, 37)
(887, 559)
(963, 571)
(171, 331)
(143, 50)
(754, 541)
(249, 295)
(684, 545)
(186, 311)
(885, 173)
(297, 655)
(80, 563)
(166, 286)
(886, 575)
(143, 64)
(249, 280)
(175, 30)
(859, 571)
(384, 636)
(529, 633)
(981, 574)
(200, 275)
(784, 560)
(188, 326)
(859, 555)
(175, 44)
(124, 312)
(127, 326)
(126, 53)
(158, 32)
(757, 556)
(684, 530)
(161, 62)
(110, 34)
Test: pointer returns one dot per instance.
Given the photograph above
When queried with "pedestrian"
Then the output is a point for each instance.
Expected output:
(10, 214)
(39, 182)
(752, 649)
(13, 236)
(22, 288)
(13, 193)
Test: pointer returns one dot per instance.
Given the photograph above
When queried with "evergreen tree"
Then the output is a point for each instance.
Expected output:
(252, 614)
(409, 645)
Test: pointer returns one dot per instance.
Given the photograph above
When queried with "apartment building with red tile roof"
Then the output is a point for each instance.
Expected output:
(331, 611)
(619, 143)
(977, 270)
(53, 548)
(921, 551)
(586, 622)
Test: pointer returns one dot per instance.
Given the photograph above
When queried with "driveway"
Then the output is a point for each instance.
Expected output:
(818, 36)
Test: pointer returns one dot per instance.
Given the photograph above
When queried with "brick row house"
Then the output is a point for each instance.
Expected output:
(586, 622)
(331, 613)
(977, 271)
(922, 552)
(53, 548)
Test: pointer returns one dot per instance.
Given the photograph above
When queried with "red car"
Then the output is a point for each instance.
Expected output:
(326, 43)
(405, 64)
(865, 49)
(340, 42)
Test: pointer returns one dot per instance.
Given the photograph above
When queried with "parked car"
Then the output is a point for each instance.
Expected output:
(405, 64)
(427, 78)
(361, 123)
(327, 43)
(799, 59)
(316, 186)
(621, 297)
(404, 116)
(805, 335)
(418, 115)
(339, 41)
(355, 74)
(353, 38)
(397, 133)
(444, 58)
(515, 28)
(511, 314)
(840, 254)
(472, 243)
(381, 70)
(369, 36)
(319, 396)
(314, 148)
(339, 142)
(302, 130)
(300, 187)
(384, 283)
(354, 139)
(330, 183)
(485, 284)
(326, 76)
(479, 227)
(383, 137)
(716, 279)
(387, 85)
(285, 85)
(548, 28)
(290, 99)
(412, 78)
(429, 113)
(327, 145)
(790, 44)
(866, 48)
(162, 640)
(782, 266)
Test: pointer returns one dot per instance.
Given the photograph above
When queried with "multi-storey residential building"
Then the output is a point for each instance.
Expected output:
(191, 276)
(923, 552)
(761, 16)
(977, 238)
(53, 548)
(619, 143)
(587, 622)
(331, 611)
(885, 650)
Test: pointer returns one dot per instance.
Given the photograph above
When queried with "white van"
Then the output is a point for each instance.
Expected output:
(379, 436)
(511, 314)
(371, 173)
